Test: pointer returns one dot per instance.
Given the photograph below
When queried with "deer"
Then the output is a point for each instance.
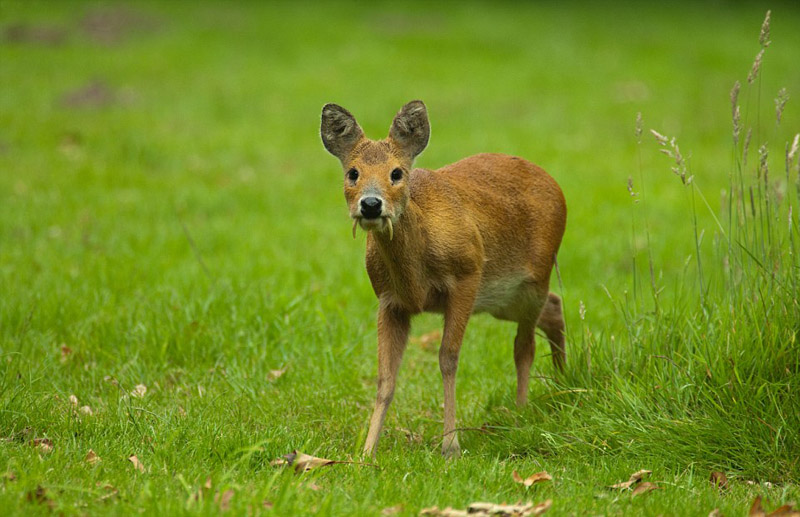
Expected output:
(477, 236)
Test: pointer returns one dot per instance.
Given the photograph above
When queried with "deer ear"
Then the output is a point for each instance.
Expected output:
(339, 130)
(410, 129)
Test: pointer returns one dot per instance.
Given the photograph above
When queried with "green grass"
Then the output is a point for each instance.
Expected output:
(190, 234)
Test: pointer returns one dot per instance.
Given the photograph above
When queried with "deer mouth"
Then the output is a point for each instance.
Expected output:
(381, 224)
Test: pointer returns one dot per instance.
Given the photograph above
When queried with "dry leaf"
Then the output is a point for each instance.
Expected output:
(65, 353)
(138, 465)
(532, 479)
(224, 499)
(267, 505)
(73, 400)
(139, 391)
(719, 480)
(207, 485)
(392, 510)
(428, 339)
(40, 496)
(275, 374)
(635, 478)
(492, 509)
(715, 513)
(92, 458)
(43, 444)
(110, 491)
(644, 487)
(86, 410)
(787, 510)
(303, 462)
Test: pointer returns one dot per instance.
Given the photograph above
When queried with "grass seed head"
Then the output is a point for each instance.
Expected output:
(735, 95)
(737, 124)
(780, 103)
(639, 127)
(754, 70)
(763, 38)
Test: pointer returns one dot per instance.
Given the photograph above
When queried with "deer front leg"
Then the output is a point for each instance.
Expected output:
(457, 313)
(393, 326)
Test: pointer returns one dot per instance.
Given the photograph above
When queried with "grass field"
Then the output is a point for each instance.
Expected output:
(169, 218)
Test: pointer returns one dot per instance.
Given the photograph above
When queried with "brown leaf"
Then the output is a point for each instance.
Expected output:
(224, 499)
(139, 391)
(138, 465)
(532, 479)
(492, 509)
(303, 462)
(275, 374)
(267, 505)
(428, 339)
(92, 458)
(719, 480)
(43, 444)
(65, 353)
(207, 484)
(715, 513)
(392, 510)
(635, 478)
(787, 510)
(756, 510)
(110, 491)
(644, 487)
(40, 496)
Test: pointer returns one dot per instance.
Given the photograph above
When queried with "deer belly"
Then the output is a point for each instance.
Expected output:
(497, 296)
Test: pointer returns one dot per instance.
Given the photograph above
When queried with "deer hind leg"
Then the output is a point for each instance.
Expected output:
(551, 321)
(524, 352)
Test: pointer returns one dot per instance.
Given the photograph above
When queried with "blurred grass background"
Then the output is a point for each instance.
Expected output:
(168, 213)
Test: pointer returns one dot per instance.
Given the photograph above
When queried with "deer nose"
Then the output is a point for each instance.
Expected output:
(371, 207)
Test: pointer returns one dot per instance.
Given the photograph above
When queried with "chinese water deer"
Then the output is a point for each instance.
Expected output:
(480, 235)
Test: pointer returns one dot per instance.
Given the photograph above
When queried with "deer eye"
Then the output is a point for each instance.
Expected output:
(397, 175)
(352, 175)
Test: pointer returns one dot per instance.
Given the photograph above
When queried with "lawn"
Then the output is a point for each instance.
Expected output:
(178, 281)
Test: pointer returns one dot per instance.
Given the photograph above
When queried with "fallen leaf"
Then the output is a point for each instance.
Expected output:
(635, 478)
(644, 487)
(392, 510)
(492, 509)
(428, 339)
(138, 465)
(715, 513)
(92, 458)
(267, 505)
(787, 510)
(756, 510)
(110, 491)
(303, 462)
(532, 479)
(73, 400)
(719, 480)
(86, 410)
(275, 374)
(43, 444)
(224, 499)
(207, 484)
(139, 391)
(65, 353)
(40, 496)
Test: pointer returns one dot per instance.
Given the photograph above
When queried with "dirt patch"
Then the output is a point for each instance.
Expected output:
(95, 94)
(110, 25)
(24, 33)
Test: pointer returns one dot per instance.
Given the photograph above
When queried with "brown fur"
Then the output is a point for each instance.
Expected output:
(480, 235)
